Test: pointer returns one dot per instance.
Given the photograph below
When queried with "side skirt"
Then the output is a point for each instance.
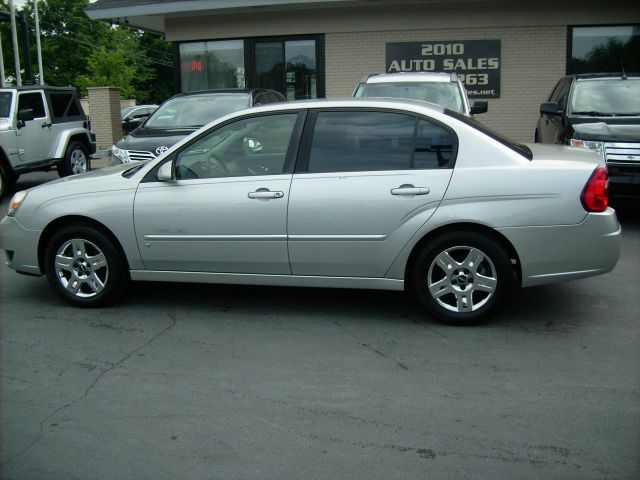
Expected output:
(269, 280)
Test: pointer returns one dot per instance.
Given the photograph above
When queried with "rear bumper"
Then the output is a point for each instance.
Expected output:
(20, 246)
(567, 252)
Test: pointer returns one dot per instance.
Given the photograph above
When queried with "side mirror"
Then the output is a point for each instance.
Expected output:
(25, 115)
(165, 173)
(550, 108)
(479, 106)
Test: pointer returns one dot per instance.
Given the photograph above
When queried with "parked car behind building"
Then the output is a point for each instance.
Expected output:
(444, 89)
(42, 127)
(181, 115)
(599, 112)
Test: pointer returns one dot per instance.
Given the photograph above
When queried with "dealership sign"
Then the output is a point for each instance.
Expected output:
(476, 62)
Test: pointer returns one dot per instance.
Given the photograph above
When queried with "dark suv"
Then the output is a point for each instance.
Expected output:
(182, 115)
(600, 112)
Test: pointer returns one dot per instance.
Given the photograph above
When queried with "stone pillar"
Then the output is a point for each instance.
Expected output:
(105, 115)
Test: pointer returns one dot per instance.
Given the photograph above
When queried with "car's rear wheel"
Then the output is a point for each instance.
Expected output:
(462, 277)
(85, 267)
(75, 161)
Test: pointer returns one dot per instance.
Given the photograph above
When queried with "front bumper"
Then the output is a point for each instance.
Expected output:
(20, 246)
(624, 185)
(567, 252)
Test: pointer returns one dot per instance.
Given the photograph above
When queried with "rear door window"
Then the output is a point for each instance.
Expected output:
(357, 141)
(353, 141)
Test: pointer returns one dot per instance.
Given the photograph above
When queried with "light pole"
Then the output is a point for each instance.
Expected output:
(14, 36)
(38, 46)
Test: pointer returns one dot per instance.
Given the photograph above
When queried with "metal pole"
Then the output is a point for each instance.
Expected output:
(38, 46)
(14, 36)
(26, 49)
(2, 82)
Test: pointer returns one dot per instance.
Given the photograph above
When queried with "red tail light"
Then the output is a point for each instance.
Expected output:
(595, 196)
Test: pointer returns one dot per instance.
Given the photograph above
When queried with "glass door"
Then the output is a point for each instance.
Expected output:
(287, 66)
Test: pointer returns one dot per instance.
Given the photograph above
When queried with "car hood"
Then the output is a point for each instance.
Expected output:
(542, 152)
(609, 131)
(148, 140)
(102, 180)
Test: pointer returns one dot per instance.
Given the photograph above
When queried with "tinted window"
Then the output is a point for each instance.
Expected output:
(434, 146)
(252, 146)
(361, 141)
(74, 108)
(517, 147)
(5, 104)
(59, 103)
(33, 101)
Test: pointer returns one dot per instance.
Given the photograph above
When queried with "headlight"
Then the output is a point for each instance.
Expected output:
(120, 154)
(16, 201)
(595, 146)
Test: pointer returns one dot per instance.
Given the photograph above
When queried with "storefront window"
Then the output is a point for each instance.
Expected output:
(207, 65)
(604, 49)
(289, 65)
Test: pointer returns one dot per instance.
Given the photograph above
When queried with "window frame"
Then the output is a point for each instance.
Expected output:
(302, 165)
(66, 117)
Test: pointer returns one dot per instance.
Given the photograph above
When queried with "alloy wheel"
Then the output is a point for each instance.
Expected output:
(81, 268)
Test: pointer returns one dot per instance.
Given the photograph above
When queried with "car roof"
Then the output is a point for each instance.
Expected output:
(604, 76)
(245, 91)
(435, 77)
(26, 88)
(350, 102)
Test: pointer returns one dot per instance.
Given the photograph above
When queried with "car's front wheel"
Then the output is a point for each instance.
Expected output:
(75, 161)
(462, 277)
(84, 266)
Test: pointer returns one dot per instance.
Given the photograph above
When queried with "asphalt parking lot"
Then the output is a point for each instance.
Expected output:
(205, 381)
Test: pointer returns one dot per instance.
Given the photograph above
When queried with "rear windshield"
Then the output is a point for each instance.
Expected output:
(196, 110)
(445, 94)
(608, 97)
(515, 146)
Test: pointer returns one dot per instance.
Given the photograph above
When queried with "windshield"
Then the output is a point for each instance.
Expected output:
(196, 110)
(608, 97)
(5, 104)
(125, 111)
(441, 93)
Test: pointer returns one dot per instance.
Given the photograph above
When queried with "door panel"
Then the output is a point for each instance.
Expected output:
(211, 225)
(34, 139)
(350, 224)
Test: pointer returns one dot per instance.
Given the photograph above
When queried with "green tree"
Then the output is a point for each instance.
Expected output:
(81, 52)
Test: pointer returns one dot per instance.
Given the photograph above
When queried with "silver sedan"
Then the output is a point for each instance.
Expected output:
(362, 193)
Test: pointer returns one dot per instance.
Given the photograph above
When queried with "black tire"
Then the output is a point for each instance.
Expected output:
(75, 274)
(4, 181)
(462, 297)
(76, 160)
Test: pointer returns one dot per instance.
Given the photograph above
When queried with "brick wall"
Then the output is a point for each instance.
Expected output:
(532, 59)
(105, 115)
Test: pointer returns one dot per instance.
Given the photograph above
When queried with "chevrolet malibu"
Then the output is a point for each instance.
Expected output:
(362, 193)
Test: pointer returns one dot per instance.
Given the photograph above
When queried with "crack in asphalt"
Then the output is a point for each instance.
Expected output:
(369, 347)
(102, 373)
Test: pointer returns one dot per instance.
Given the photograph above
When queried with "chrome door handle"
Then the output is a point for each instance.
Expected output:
(409, 190)
(265, 193)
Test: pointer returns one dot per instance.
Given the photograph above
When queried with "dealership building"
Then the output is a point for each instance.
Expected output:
(509, 52)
